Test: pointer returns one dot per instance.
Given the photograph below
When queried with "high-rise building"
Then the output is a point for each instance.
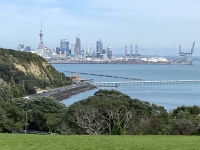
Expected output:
(99, 48)
(73, 46)
(64, 46)
(78, 46)
(88, 50)
(109, 52)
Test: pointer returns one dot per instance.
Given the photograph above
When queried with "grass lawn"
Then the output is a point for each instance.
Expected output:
(84, 142)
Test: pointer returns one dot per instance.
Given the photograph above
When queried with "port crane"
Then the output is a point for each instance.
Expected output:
(132, 57)
(186, 57)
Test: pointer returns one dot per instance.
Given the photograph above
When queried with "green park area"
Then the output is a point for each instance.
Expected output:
(101, 142)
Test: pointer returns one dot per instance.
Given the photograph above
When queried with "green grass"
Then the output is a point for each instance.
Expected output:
(84, 142)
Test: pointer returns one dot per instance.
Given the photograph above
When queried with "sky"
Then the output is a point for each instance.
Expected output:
(157, 27)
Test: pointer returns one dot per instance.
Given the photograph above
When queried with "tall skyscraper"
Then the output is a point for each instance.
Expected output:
(64, 46)
(41, 45)
(99, 48)
(78, 46)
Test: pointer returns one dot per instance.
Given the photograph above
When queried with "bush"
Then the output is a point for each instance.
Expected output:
(184, 127)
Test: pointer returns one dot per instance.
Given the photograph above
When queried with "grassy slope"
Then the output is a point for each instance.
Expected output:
(58, 142)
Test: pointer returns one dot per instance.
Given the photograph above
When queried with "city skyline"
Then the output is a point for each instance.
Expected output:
(157, 27)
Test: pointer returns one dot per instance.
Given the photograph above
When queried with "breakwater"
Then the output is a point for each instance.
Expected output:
(103, 75)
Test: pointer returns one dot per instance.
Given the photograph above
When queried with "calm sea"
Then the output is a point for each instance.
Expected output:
(169, 96)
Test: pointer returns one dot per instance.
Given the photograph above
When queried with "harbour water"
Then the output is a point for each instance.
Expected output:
(170, 96)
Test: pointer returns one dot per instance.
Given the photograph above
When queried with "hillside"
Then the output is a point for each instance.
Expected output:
(24, 73)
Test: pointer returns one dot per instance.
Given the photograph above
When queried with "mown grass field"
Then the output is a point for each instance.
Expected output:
(84, 142)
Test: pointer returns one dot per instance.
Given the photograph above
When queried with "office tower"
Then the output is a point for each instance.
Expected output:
(109, 52)
(41, 45)
(99, 48)
(78, 46)
(64, 46)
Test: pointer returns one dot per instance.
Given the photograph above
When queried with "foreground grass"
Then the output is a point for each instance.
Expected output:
(84, 142)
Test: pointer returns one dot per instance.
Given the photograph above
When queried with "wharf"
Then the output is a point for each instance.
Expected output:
(133, 83)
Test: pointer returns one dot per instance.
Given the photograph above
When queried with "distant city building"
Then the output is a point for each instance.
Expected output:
(99, 48)
(93, 54)
(82, 52)
(28, 48)
(64, 46)
(46, 53)
(41, 46)
(54, 56)
(39, 52)
(21, 47)
(88, 50)
(57, 50)
(109, 52)
(73, 46)
(72, 51)
(78, 46)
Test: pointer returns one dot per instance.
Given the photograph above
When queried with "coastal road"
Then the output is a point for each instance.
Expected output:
(47, 93)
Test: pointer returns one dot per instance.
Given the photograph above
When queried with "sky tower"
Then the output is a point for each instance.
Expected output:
(41, 45)
(41, 34)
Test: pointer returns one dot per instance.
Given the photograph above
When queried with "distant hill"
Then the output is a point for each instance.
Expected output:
(24, 73)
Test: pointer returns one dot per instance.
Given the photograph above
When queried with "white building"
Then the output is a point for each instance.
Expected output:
(21, 47)
(73, 46)
(88, 50)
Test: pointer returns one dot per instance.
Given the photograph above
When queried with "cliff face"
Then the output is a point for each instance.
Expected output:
(25, 73)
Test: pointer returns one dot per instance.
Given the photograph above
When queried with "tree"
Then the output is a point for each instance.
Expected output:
(184, 127)
(45, 113)
(107, 112)
(160, 121)
(121, 120)
(4, 91)
(50, 120)
(3, 116)
(11, 116)
(90, 120)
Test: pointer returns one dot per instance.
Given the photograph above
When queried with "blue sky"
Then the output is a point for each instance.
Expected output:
(158, 27)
